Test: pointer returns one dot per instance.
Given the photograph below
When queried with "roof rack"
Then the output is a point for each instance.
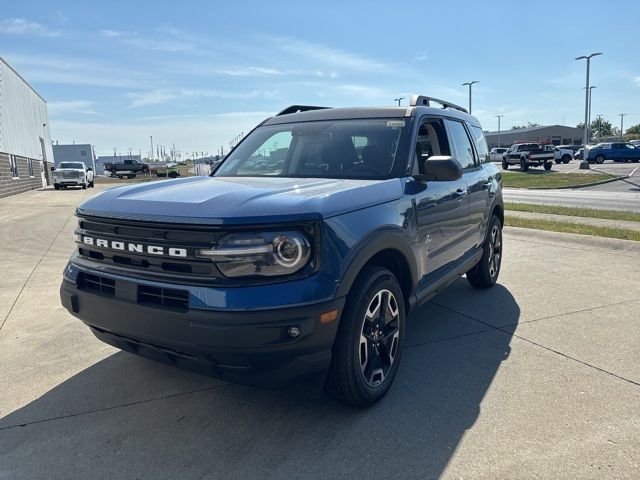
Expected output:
(424, 100)
(299, 108)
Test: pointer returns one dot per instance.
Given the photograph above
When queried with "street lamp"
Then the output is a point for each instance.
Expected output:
(622, 115)
(470, 83)
(499, 117)
(584, 164)
(398, 100)
(589, 118)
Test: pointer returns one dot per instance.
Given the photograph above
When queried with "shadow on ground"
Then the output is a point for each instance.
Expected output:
(107, 421)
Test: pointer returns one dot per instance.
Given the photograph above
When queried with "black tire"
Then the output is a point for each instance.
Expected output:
(91, 184)
(558, 161)
(485, 273)
(600, 159)
(548, 165)
(173, 174)
(566, 159)
(346, 381)
(505, 165)
(524, 166)
(84, 186)
(57, 187)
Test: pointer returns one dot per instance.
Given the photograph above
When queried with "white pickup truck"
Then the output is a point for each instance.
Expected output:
(72, 174)
(563, 155)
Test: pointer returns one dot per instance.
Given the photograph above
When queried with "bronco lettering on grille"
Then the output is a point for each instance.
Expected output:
(132, 247)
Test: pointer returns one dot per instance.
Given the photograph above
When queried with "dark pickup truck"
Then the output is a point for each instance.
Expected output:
(127, 168)
(526, 155)
(299, 259)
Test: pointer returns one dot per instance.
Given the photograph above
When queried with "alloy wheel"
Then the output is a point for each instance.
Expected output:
(495, 251)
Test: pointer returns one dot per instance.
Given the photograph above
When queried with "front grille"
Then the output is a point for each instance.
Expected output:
(187, 269)
(95, 283)
(165, 297)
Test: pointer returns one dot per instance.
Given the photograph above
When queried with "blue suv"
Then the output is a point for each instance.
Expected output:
(300, 257)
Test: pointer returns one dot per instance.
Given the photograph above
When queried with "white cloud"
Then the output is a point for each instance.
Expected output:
(20, 26)
(205, 134)
(637, 81)
(421, 56)
(159, 96)
(110, 33)
(251, 71)
(156, 44)
(77, 71)
(73, 106)
(327, 55)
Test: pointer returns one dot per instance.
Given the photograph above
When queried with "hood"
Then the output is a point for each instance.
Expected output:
(240, 200)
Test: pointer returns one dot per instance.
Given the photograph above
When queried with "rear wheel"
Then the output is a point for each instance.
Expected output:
(524, 166)
(368, 345)
(505, 165)
(57, 187)
(485, 273)
(558, 160)
(548, 165)
(566, 158)
(600, 159)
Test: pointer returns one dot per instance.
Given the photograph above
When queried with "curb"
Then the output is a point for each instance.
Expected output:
(568, 187)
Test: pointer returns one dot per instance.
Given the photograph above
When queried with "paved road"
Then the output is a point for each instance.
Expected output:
(538, 377)
(579, 197)
(611, 168)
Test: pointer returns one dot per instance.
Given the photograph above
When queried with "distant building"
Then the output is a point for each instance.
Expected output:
(74, 153)
(25, 141)
(102, 159)
(549, 134)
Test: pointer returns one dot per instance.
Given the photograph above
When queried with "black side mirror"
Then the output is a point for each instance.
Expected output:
(439, 169)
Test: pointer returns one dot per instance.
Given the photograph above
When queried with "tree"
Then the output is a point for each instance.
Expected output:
(633, 131)
(528, 125)
(600, 128)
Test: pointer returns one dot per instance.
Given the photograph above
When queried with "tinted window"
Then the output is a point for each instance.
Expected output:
(330, 149)
(481, 144)
(460, 144)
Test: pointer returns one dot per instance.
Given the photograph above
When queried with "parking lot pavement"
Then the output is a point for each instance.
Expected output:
(538, 377)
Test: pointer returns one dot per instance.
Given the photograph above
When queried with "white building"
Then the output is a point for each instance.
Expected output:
(25, 141)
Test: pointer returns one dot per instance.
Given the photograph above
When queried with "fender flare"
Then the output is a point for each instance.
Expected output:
(372, 244)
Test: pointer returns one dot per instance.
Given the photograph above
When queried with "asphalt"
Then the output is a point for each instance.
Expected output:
(577, 197)
(538, 377)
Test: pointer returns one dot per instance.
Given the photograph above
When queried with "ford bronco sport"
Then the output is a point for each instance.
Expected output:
(299, 258)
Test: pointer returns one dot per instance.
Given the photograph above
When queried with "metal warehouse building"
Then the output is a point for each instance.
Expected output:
(549, 134)
(25, 141)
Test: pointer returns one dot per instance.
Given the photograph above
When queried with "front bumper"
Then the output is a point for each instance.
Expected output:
(248, 347)
(71, 182)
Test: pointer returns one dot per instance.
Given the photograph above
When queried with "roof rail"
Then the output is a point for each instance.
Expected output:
(424, 100)
(298, 108)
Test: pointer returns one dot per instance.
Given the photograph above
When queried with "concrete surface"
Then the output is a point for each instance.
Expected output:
(594, 222)
(538, 377)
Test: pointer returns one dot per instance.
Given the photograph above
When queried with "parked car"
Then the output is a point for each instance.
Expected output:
(560, 155)
(526, 155)
(635, 143)
(126, 169)
(578, 154)
(302, 269)
(72, 174)
(171, 172)
(616, 151)
(496, 153)
(573, 148)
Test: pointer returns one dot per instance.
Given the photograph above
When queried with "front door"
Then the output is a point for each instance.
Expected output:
(442, 208)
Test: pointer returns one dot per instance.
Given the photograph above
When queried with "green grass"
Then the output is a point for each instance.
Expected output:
(542, 179)
(574, 212)
(565, 227)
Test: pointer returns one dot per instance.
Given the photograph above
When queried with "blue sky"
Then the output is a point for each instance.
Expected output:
(199, 73)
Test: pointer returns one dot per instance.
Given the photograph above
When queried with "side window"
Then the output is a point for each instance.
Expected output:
(431, 141)
(30, 168)
(460, 144)
(14, 166)
(481, 144)
(269, 158)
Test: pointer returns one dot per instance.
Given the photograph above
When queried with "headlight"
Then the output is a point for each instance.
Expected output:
(265, 254)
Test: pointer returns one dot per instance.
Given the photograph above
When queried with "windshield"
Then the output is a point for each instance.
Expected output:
(76, 165)
(329, 149)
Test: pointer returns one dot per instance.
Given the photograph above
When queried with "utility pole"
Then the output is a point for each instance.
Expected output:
(470, 84)
(599, 125)
(622, 115)
(499, 132)
(584, 164)
(399, 99)
(152, 155)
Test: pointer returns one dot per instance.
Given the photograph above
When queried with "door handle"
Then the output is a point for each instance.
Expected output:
(459, 193)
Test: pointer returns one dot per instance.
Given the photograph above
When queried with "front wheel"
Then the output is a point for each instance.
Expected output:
(368, 345)
(566, 159)
(485, 273)
(599, 159)
(558, 161)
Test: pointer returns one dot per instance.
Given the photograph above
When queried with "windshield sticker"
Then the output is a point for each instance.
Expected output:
(395, 123)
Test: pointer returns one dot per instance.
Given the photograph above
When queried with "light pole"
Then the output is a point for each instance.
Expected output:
(584, 164)
(622, 115)
(499, 139)
(470, 84)
(589, 119)
(399, 99)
